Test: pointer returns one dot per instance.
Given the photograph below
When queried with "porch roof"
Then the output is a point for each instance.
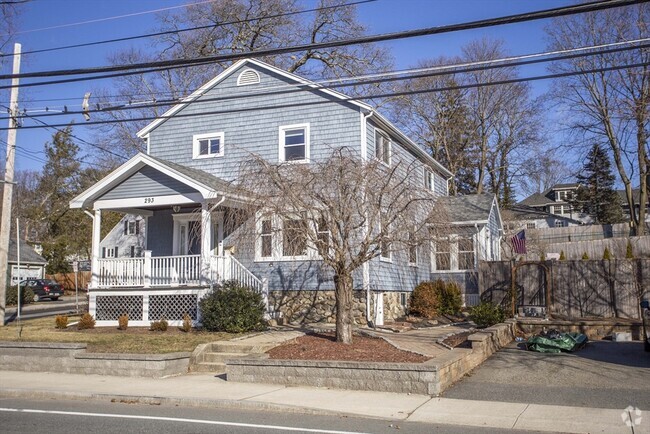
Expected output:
(195, 184)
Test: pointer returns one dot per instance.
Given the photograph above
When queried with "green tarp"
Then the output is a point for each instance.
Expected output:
(563, 342)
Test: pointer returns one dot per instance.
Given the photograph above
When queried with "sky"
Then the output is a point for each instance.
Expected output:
(51, 23)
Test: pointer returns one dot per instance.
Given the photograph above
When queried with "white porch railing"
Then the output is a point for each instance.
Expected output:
(162, 271)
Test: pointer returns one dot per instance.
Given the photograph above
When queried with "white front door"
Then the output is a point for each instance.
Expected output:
(183, 245)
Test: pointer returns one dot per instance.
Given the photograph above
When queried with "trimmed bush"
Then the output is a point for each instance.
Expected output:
(159, 326)
(542, 257)
(26, 294)
(629, 254)
(61, 321)
(487, 314)
(86, 322)
(607, 255)
(562, 256)
(451, 300)
(187, 323)
(585, 256)
(424, 299)
(123, 322)
(232, 308)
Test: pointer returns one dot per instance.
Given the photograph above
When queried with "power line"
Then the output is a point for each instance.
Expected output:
(440, 70)
(211, 26)
(510, 19)
(384, 95)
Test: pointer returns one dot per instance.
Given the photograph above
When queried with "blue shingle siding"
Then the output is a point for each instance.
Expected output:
(147, 182)
(467, 280)
(256, 131)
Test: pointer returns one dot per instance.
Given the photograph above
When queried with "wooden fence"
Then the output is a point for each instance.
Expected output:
(569, 289)
(579, 233)
(67, 279)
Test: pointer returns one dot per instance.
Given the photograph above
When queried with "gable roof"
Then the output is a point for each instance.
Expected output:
(474, 208)
(206, 184)
(537, 199)
(27, 253)
(524, 212)
(385, 123)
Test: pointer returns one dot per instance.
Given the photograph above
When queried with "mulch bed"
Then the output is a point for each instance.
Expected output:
(323, 346)
(129, 331)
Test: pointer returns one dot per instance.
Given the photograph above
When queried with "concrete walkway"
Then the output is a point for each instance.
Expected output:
(213, 391)
(421, 341)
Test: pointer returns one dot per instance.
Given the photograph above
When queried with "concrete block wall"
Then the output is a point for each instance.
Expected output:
(73, 358)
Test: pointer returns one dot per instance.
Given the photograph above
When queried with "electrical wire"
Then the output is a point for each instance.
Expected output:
(440, 70)
(510, 19)
(189, 29)
(384, 95)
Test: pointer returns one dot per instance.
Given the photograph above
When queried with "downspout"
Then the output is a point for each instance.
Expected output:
(365, 268)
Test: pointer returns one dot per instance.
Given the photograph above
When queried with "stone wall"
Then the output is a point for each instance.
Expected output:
(594, 329)
(300, 307)
(429, 378)
(73, 359)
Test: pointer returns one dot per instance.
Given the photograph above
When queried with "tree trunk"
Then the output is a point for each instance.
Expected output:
(344, 319)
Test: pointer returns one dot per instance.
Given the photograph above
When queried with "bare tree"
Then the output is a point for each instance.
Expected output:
(541, 171)
(343, 210)
(609, 106)
(235, 26)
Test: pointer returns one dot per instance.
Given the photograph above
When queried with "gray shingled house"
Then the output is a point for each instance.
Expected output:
(32, 265)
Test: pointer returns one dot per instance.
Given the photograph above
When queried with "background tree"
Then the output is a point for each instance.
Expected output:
(235, 26)
(346, 210)
(541, 171)
(609, 106)
(596, 195)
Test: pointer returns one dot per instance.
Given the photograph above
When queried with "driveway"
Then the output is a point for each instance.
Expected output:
(605, 374)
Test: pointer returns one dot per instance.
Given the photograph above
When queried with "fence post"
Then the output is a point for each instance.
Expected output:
(147, 268)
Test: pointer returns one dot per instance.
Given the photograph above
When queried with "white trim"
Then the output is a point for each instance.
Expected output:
(176, 199)
(282, 129)
(385, 136)
(196, 148)
(147, 139)
(226, 73)
(364, 136)
(247, 70)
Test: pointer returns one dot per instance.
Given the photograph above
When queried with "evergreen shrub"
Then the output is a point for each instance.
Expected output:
(232, 308)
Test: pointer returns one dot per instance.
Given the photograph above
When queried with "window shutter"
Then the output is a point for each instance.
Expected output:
(103, 252)
(133, 251)
(126, 227)
(137, 227)
(115, 251)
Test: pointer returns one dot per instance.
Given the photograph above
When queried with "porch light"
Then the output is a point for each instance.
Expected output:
(176, 208)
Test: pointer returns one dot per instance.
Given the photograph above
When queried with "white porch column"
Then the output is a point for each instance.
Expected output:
(97, 224)
(206, 243)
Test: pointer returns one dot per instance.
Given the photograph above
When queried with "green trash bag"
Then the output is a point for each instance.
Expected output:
(559, 342)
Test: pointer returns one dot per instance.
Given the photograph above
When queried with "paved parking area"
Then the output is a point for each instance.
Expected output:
(605, 374)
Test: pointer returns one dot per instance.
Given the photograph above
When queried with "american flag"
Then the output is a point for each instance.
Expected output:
(519, 243)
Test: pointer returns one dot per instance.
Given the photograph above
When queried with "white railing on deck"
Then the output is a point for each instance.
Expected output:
(229, 268)
(175, 270)
(121, 272)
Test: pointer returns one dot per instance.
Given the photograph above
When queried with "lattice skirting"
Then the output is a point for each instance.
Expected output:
(143, 307)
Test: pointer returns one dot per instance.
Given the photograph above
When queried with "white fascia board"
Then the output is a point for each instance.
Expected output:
(412, 145)
(176, 199)
(227, 72)
(470, 222)
(495, 205)
(129, 168)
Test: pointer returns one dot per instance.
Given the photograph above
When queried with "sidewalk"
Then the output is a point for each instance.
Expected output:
(207, 390)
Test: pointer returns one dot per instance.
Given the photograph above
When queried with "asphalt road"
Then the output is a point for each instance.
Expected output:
(605, 374)
(47, 307)
(59, 416)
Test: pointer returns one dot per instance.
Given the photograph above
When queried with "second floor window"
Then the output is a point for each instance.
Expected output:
(382, 148)
(294, 143)
(208, 145)
(428, 180)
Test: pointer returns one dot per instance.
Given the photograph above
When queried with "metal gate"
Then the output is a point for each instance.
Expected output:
(531, 288)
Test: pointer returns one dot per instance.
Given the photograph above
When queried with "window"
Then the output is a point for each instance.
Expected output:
(384, 243)
(466, 253)
(323, 235)
(294, 143)
(559, 224)
(428, 180)
(208, 145)
(413, 250)
(109, 252)
(382, 147)
(266, 238)
(442, 254)
(294, 240)
(132, 227)
(531, 225)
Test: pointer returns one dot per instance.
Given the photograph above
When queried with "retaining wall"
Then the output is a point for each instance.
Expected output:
(73, 359)
(594, 329)
(429, 378)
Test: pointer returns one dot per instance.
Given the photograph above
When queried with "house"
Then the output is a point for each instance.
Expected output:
(518, 217)
(183, 191)
(31, 264)
(475, 232)
(126, 239)
(555, 200)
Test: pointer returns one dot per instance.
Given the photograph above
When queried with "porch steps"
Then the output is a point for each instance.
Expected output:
(212, 357)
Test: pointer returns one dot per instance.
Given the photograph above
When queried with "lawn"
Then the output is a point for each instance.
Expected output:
(135, 340)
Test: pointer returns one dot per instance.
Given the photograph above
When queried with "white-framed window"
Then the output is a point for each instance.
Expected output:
(441, 254)
(531, 225)
(294, 143)
(294, 239)
(412, 250)
(466, 256)
(324, 235)
(208, 145)
(429, 180)
(131, 227)
(109, 252)
(385, 253)
(282, 239)
(266, 238)
(382, 147)
(559, 224)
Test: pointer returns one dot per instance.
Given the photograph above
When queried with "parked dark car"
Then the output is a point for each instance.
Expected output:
(43, 288)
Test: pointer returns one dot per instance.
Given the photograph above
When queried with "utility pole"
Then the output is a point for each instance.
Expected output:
(5, 223)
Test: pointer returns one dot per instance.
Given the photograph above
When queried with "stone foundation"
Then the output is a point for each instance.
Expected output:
(304, 307)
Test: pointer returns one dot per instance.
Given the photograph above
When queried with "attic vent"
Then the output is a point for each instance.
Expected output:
(248, 77)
